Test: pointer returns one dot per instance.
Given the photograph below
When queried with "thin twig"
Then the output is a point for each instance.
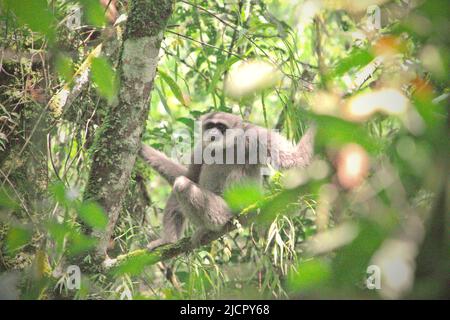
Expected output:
(204, 44)
(22, 201)
(211, 14)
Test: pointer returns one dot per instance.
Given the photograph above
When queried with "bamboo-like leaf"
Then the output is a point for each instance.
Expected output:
(173, 86)
(219, 71)
(163, 101)
(356, 58)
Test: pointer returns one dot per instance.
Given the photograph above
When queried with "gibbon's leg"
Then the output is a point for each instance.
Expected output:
(173, 224)
(198, 235)
(205, 209)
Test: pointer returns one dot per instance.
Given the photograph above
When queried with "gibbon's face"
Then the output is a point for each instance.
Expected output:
(220, 129)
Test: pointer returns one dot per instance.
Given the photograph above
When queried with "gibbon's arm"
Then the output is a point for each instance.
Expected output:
(165, 166)
(285, 156)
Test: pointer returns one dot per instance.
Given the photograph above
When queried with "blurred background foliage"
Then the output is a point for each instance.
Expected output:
(372, 76)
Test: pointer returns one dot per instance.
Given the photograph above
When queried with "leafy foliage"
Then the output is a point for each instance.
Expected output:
(375, 195)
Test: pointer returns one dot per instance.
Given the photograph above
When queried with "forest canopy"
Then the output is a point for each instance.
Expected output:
(83, 84)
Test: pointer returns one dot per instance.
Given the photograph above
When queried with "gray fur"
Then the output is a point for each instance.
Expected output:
(197, 190)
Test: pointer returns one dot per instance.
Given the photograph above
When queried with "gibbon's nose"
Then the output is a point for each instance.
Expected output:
(214, 133)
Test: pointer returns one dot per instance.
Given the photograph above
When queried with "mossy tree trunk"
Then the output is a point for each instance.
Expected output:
(118, 140)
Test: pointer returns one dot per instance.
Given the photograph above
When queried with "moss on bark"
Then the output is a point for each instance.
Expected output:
(118, 140)
(148, 18)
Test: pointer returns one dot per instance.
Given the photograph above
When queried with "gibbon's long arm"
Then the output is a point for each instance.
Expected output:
(165, 166)
(285, 156)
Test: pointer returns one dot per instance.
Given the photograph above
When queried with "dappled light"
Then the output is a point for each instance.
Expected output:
(389, 101)
(249, 77)
(352, 165)
(197, 149)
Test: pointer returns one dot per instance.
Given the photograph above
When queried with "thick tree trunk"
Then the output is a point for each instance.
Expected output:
(118, 140)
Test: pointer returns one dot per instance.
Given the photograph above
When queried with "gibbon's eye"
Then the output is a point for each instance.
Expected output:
(222, 128)
(219, 126)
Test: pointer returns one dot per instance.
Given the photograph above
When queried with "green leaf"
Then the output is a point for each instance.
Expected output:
(186, 121)
(16, 238)
(64, 67)
(309, 275)
(356, 58)
(282, 202)
(241, 196)
(351, 261)
(59, 232)
(219, 71)
(163, 101)
(278, 204)
(104, 78)
(94, 12)
(335, 132)
(7, 201)
(35, 14)
(93, 215)
(79, 243)
(59, 192)
(134, 265)
(173, 86)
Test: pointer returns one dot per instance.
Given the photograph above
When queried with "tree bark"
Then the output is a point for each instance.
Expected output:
(118, 140)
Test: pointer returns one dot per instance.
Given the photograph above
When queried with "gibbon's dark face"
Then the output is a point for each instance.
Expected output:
(218, 127)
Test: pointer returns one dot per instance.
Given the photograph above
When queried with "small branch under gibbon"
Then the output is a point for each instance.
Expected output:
(184, 245)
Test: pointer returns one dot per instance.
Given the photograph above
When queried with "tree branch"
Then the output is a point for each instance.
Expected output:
(184, 245)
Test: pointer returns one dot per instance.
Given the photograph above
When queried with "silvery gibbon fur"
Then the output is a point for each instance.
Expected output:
(197, 189)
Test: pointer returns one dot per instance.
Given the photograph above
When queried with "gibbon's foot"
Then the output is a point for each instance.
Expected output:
(197, 237)
(152, 245)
